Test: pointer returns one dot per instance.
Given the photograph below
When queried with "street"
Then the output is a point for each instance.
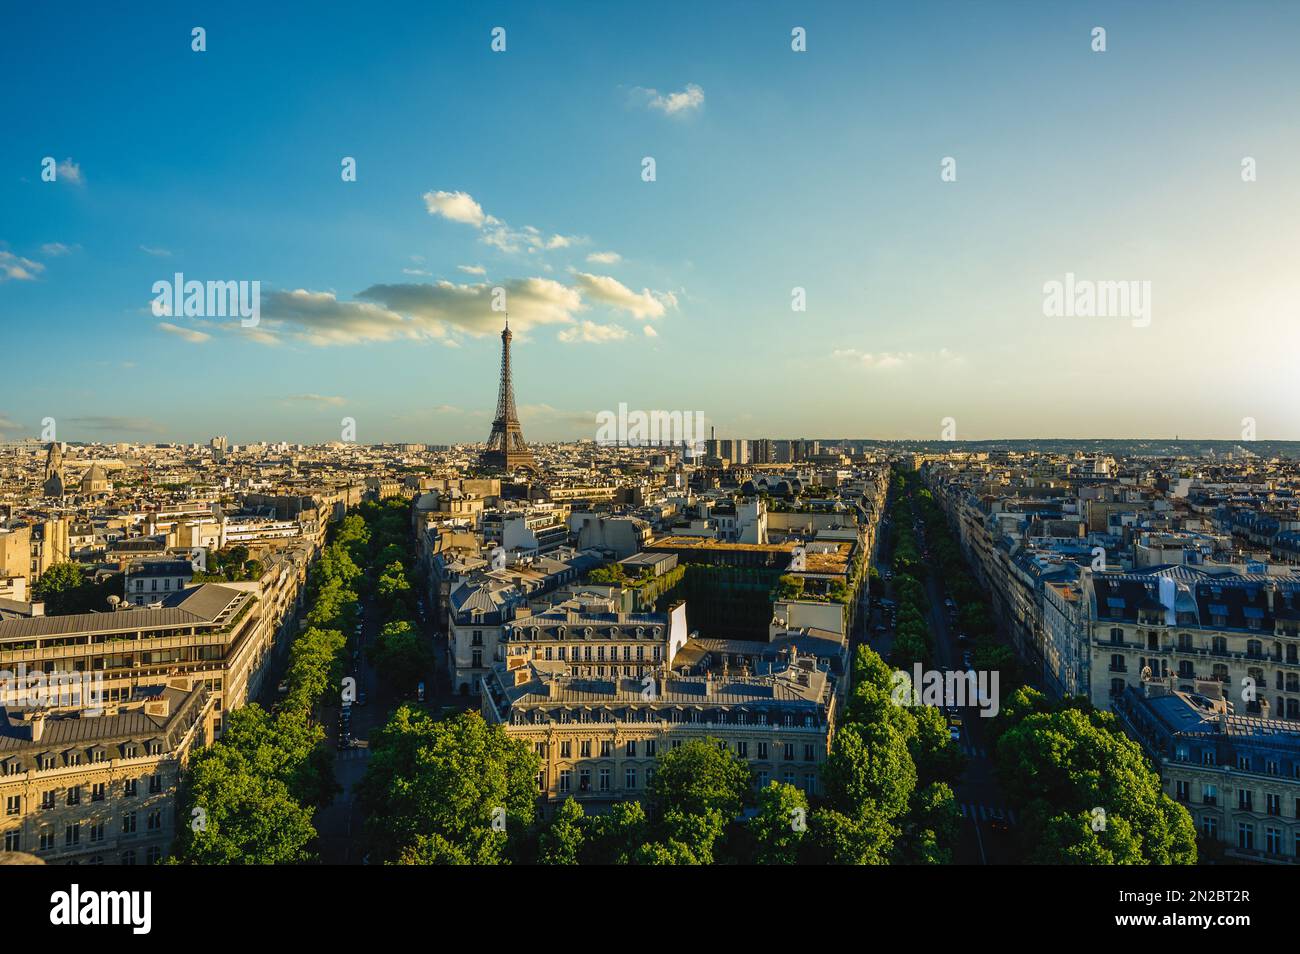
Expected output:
(979, 796)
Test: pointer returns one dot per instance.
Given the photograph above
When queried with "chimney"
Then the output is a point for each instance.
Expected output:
(38, 725)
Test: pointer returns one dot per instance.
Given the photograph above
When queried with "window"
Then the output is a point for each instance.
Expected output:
(74, 795)
(72, 835)
(604, 780)
(1273, 841)
(14, 805)
(131, 787)
(584, 748)
(47, 799)
(155, 784)
(1246, 836)
(47, 838)
(153, 855)
(14, 840)
(153, 821)
(564, 779)
(566, 750)
(1210, 826)
(742, 749)
(1181, 790)
(97, 831)
(1210, 794)
(1245, 799)
(1273, 804)
(97, 792)
(809, 754)
(763, 778)
(606, 748)
(128, 823)
(651, 747)
(128, 856)
(630, 778)
(630, 749)
(788, 751)
(762, 750)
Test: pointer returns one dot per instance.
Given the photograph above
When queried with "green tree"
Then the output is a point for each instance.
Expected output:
(780, 824)
(62, 588)
(869, 767)
(614, 837)
(699, 777)
(232, 814)
(453, 778)
(561, 842)
(834, 838)
(401, 654)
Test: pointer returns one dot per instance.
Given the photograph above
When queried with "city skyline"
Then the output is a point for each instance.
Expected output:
(775, 171)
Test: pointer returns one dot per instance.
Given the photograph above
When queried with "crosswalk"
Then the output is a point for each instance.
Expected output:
(979, 812)
(974, 751)
(348, 755)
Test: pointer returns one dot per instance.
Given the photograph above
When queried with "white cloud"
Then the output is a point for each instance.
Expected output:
(18, 268)
(156, 252)
(461, 207)
(604, 258)
(680, 103)
(191, 335)
(885, 360)
(472, 269)
(650, 331)
(610, 291)
(55, 249)
(414, 271)
(446, 305)
(321, 319)
(455, 206)
(325, 399)
(592, 333)
(69, 171)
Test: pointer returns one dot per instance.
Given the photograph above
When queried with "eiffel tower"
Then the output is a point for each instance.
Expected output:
(506, 449)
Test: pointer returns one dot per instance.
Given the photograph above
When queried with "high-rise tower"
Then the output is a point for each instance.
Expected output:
(506, 449)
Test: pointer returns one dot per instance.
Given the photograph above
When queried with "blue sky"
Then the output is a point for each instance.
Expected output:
(775, 170)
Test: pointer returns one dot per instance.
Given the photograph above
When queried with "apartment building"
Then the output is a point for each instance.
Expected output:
(148, 581)
(79, 788)
(1237, 774)
(1238, 629)
(599, 737)
(213, 635)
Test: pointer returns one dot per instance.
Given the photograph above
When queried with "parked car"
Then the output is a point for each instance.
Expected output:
(419, 692)
(361, 698)
(967, 661)
(998, 820)
(282, 687)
